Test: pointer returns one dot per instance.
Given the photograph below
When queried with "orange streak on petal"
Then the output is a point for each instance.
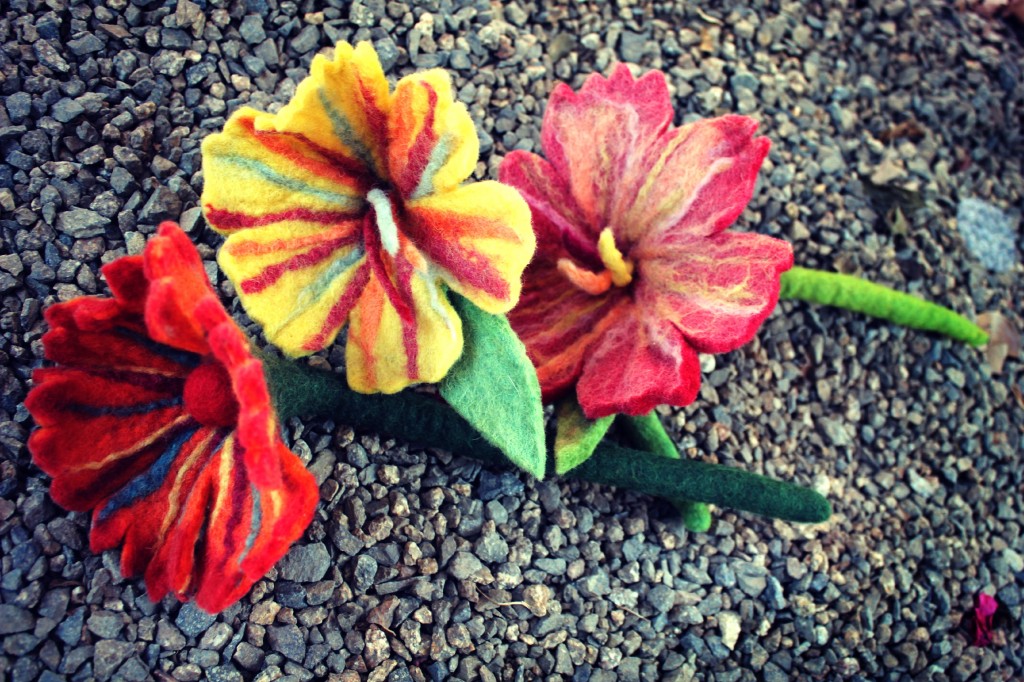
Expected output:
(370, 310)
(254, 248)
(554, 365)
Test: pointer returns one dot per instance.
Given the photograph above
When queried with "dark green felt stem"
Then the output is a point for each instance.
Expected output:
(862, 296)
(648, 433)
(302, 390)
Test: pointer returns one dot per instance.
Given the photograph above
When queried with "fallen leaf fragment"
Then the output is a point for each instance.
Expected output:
(1003, 339)
(911, 130)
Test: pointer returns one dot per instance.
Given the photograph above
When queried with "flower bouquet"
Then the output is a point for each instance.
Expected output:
(591, 277)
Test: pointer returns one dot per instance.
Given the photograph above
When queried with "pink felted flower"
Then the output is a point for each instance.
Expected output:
(984, 619)
(635, 273)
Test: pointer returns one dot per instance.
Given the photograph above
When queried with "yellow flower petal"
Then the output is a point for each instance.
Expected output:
(432, 142)
(299, 282)
(385, 353)
(479, 238)
(342, 107)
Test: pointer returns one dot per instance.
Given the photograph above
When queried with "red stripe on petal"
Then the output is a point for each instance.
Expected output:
(340, 310)
(381, 268)
(273, 273)
(419, 152)
(376, 119)
(439, 235)
(253, 248)
(226, 221)
(409, 342)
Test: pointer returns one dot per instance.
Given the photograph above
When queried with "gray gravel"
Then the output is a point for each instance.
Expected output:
(420, 566)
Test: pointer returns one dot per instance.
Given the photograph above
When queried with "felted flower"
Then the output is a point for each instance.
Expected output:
(347, 207)
(158, 420)
(635, 273)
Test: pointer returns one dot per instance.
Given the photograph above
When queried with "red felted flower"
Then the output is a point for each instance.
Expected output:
(158, 419)
(635, 273)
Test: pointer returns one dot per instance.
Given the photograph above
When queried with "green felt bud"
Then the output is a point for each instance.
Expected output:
(648, 433)
(417, 418)
(862, 296)
(576, 437)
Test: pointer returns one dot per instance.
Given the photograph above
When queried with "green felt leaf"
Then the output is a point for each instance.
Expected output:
(494, 387)
(576, 437)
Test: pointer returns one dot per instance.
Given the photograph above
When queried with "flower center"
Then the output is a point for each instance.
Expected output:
(209, 398)
(617, 270)
(386, 226)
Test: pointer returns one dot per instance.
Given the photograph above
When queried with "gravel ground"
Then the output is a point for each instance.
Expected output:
(424, 567)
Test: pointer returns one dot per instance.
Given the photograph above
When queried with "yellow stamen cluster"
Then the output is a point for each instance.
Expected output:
(621, 269)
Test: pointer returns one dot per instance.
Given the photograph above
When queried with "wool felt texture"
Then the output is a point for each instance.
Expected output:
(646, 432)
(427, 421)
(635, 272)
(347, 208)
(860, 295)
(494, 388)
(576, 437)
(157, 418)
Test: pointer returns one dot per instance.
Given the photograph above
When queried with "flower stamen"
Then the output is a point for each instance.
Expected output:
(385, 219)
(594, 283)
(621, 269)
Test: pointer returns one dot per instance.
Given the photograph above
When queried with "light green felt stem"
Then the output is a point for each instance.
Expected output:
(302, 390)
(648, 433)
(862, 296)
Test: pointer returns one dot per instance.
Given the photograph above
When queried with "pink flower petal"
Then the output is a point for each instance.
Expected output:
(594, 138)
(718, 291)
(694, 181)
(984, 615)
(637, 365)
(559, 323)
(557, 220)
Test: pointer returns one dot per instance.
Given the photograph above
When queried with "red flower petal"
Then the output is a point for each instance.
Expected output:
(230, 530)
(717, 291)
(98, 429)
(97, 334)
(559, 324)
(637, 365)
(177, 284)
(127, 280)
(142, 509)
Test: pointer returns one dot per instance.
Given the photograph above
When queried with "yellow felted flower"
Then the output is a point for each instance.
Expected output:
(347, 207)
